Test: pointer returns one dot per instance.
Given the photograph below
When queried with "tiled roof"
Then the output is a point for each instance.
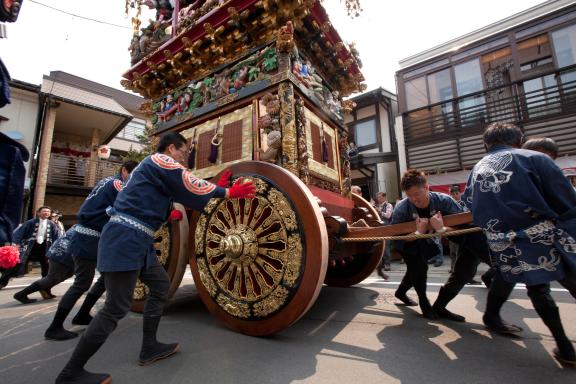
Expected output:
(127, 100)
(78, 95)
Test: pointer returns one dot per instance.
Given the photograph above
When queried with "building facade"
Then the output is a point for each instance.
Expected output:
(520, 70)
(64, 123)
(374, 160)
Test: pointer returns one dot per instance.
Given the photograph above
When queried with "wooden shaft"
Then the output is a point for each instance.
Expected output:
(403, 228)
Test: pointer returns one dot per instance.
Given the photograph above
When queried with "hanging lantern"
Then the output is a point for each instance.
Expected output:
(104, 152)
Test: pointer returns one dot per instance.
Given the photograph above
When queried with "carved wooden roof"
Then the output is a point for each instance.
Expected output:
(230, 30)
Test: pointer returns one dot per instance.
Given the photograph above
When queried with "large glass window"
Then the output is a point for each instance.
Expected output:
(440, 89)
(365, 133)
(440, 86)
(535, 55)
(416, 93)
(542, 96)
(468, 77)
(565, 46)
(496, 68)
(469, 80)
(565, 50)
(132, 131)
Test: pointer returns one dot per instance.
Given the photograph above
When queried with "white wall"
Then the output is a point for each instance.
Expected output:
(384, 129)
(22, 113)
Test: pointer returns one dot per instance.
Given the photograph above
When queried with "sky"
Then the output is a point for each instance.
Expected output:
(44, 40)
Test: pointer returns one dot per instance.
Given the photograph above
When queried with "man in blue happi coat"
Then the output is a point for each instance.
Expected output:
(84, 239)
(527, 209)
(61, 267)
(126, 252)
(12, 174)
(35, 237)
(427, 208)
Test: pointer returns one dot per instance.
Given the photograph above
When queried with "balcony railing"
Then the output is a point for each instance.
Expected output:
(553, 94)
(77, 171)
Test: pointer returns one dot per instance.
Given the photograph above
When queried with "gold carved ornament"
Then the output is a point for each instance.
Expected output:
(162, 249)
(249, 252)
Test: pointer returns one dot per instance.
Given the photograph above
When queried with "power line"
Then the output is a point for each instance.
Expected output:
(80, 17)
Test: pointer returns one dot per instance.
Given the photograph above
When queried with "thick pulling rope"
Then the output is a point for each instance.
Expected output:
(414, 236)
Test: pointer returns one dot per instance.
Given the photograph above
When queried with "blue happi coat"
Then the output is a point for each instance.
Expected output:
(12, 175)
(25, 236)
(141, 208)
(92, 217)
(60, 251)
(527, 209)
(406, 211)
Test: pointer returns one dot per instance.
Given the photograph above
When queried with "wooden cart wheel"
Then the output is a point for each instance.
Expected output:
(171, 244)
(259, 263)
(350, 263)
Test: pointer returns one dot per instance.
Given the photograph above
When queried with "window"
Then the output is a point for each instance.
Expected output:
(440, 89)
(542, 96)
(132, 131)
(565, 50)
(469, 80)
(535, 55)
(565, 46)
(439, 86)
(416, 93)
(468, 77)
(365, 133)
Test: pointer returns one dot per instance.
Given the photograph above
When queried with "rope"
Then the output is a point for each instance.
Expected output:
(414, 236)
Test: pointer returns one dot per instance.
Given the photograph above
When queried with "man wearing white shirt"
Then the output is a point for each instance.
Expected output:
(35, 237)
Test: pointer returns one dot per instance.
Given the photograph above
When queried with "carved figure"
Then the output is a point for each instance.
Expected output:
(134, 50)
(274, 141)
(241, 78)
(167, 108)
(285, 38)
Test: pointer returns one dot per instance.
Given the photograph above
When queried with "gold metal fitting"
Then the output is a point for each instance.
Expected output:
(232, 246)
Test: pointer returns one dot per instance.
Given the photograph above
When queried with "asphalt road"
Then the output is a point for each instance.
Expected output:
(351, 335)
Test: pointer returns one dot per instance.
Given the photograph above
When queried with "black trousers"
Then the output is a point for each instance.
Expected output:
(120, 287)
(37, 253)
(416, 254)
(474, 249)
(84, 271)
(57, 273)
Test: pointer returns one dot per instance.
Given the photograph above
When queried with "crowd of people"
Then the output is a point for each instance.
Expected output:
(524, 204)
(526, 208)
(114, 234)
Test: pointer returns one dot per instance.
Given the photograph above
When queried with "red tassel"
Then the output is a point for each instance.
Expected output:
(175, 215)
(9, 256)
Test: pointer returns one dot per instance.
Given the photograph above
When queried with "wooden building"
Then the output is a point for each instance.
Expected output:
(521, 70)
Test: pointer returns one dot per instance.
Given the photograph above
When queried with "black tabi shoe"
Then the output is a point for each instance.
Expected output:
(46, 294)
(497, 325)
(405, 300)
(157, 352)
(427, 310)
(443, 313)
(83, 377)
(59, 334)
(23, 298)
(565, 361)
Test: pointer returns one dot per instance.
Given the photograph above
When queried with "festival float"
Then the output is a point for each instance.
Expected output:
(256, 86)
